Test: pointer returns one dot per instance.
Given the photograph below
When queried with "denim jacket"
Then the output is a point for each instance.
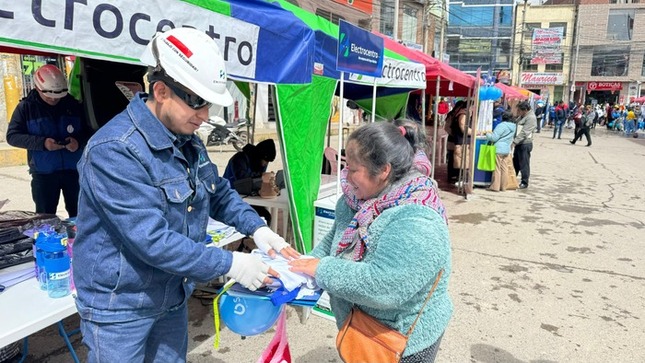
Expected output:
(143, 209)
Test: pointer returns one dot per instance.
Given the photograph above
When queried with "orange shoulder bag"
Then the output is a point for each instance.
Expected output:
(363, 339)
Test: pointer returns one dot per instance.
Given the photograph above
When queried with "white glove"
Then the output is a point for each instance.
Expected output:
(266, 239)
(248, 270)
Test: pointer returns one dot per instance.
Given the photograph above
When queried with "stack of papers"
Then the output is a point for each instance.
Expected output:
(17, 276)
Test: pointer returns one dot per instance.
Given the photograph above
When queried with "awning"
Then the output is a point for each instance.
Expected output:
(453, 81)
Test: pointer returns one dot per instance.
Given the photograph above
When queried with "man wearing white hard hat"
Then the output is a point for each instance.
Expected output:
(49, 124)
(147, 190)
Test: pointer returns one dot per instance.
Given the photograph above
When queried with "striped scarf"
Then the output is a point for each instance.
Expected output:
(418, 190)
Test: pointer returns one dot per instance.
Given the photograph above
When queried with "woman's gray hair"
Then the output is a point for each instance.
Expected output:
(382, 143)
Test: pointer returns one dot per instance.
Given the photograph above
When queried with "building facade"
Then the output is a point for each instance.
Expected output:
(610, 57)
(480, 35)
(543, 44)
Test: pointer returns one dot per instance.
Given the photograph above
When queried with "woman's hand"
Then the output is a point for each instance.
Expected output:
(307, 266)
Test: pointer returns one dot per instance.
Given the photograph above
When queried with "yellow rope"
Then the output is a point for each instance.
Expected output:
(216, 311)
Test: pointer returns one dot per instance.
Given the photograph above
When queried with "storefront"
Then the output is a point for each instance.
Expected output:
(549, 85)
(604, 92)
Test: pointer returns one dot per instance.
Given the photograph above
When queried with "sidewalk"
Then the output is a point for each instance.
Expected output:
(553, 273)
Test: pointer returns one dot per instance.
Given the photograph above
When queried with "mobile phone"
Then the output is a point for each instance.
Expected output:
(62, 142)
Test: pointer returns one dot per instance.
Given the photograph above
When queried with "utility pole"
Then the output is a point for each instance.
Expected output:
(521, 59)
(395, 31)
(572, 89)
(493, 56)
(436, 95)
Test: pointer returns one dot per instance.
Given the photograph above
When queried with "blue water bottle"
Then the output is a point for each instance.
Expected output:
(57, 267)
(41, 239)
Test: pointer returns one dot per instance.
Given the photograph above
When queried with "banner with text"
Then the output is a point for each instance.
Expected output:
(396, 73)
(359, 51)
(120, 30)
(547, 46)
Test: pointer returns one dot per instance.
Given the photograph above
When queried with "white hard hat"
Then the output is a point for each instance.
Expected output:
(50, 81)
(191, 58)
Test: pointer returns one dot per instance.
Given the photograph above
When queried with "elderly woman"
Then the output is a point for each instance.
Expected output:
(502, 136)
(389, 243)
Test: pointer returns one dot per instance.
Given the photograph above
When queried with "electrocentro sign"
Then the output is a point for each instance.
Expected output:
(359, 51)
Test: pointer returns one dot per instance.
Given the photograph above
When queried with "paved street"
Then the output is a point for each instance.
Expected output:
(554, 273)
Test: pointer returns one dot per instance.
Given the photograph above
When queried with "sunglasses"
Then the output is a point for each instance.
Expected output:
(55, 92)
(192, 100)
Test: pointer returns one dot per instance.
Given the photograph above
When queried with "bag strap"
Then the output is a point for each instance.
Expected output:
(434, 286)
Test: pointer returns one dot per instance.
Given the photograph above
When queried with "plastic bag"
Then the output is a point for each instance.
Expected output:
(486, 159)
(278, 349)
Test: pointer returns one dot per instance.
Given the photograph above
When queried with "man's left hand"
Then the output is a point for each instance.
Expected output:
(72, 144)
(270, 243)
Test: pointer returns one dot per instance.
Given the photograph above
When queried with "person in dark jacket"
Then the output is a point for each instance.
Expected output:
(251, 162)
(49, 124)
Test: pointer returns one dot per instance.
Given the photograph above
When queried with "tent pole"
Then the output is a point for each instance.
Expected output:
(340, 133)
(374, 101)
(436, 122)
(254, 100)
(423, 110)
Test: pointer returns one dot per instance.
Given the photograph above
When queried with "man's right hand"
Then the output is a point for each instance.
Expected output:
(52, 145)
(250, 271)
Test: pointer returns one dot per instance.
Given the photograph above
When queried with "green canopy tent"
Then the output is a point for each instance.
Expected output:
(304, 119)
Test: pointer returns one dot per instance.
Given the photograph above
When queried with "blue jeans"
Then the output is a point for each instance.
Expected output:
(630, 126)
(161, 338)
(558, 128)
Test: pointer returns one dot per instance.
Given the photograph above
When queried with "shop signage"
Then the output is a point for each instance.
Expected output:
(604, 86)
(396, 73)
(359, 51)
(541, 78)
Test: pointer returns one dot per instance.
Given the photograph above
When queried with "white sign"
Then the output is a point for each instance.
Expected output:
(120, 30)
(396, 74)
(541, 78)
(546, 44)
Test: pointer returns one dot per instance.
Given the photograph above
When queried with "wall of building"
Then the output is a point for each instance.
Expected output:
(479, 34)
(544, 15)
(594, 18)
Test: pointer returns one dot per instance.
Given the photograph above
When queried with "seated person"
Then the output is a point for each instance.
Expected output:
(251, 162)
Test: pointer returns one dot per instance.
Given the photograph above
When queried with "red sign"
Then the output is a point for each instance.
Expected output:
(541, 78)
(604, 86)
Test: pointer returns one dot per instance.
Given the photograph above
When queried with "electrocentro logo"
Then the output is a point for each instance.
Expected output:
(344, 44)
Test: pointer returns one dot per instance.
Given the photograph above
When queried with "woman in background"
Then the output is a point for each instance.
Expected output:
(502, 136)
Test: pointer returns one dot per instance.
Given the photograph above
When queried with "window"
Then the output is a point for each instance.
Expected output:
(620, 24)
(528, 29)
(553, 67)
(334, 18)
(387, 17)
(560, 25)
(643, 68)
(557, 92)
(472, 16)
(529, 67)
(409, 33)
(610, 61)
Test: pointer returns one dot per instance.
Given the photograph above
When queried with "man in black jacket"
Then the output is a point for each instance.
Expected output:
(49, 124)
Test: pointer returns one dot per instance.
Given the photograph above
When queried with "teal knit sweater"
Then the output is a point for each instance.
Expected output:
(408, 245)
